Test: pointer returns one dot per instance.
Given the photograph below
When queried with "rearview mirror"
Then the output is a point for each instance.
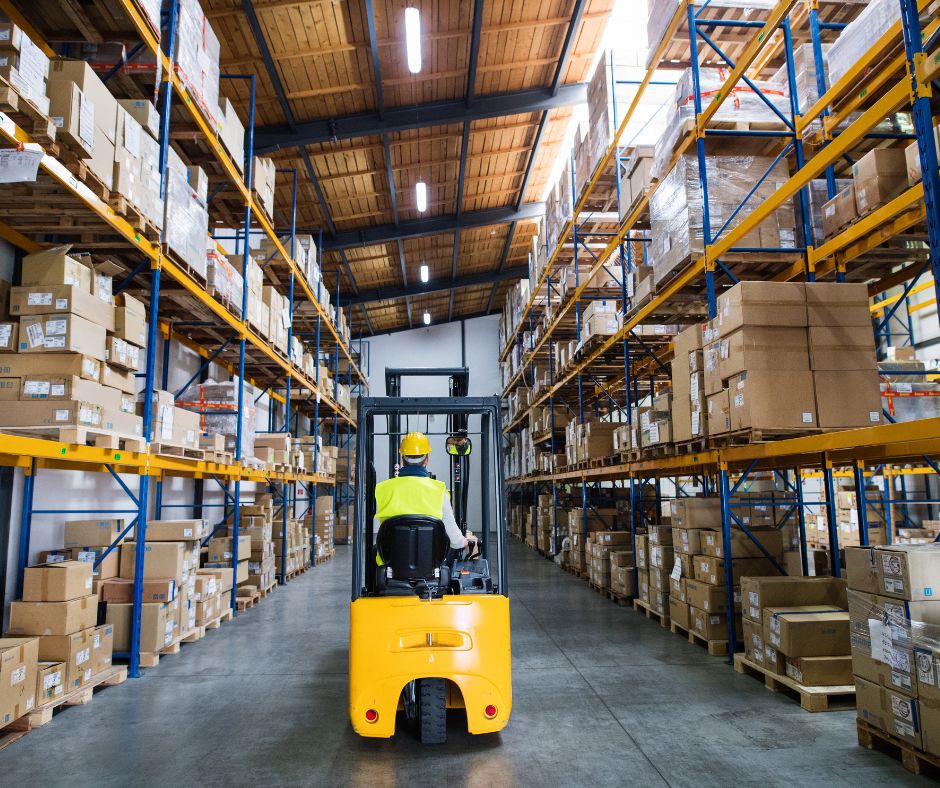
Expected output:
(459, 445)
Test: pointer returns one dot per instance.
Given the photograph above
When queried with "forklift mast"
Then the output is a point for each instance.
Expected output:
(459, 467)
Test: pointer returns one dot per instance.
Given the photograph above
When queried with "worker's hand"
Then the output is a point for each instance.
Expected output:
(472, 547)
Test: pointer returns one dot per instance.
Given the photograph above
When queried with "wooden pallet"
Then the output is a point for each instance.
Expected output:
(916, 761)
(16, 730)
(197, 633)
(80, 169)
(715, 648)
(84, 436)
(697, 446)
(135, 218)
(663, 618)
(836, 698)
(218, 457)
(173, 450)
(322, 559)
(619, 599)
(748, 436)
(25, 113)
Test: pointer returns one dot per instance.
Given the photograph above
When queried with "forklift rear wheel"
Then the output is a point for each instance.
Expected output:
(432, 711)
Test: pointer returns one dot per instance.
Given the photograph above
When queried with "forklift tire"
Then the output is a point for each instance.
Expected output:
(432, 711)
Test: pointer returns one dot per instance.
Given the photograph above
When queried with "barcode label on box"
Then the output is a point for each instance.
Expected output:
(61, 303)
(807, 418)
(18, 676)
(51, 680)
(82, 656)
(54, 342)
(36, 388)
(39, 299)
(56, 327)
(57, 390)
(62, 415)
(34, 335)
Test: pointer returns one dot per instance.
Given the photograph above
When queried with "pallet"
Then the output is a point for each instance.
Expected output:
(96, 186)
(218, 457)
(916, 761)
(697, 446)
(836, 698)
(84, 436)
(622, 601)
(748, 436)
(715, 648)
(197, 633)
(242, 603)
(25, 113)
(173, 450)
(602, 462)
(122, 206)
(663, 618)
(16, 730)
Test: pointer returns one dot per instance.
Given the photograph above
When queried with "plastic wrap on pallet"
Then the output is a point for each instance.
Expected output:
(218, 403)
(859, 36)
(676, 208)
(187, 220)
(818, 193)
(910, 401)
(660, 12)
(744, 105)
(151, 11)
(224, 281)
(197, 57)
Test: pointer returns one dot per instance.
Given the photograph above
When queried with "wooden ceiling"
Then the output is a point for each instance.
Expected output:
(322, 58)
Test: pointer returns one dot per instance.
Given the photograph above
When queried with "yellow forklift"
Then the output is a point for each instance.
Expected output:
(429, 627)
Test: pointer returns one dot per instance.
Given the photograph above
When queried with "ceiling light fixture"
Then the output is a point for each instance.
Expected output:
(425, 273)
(421, 196)
(427, 318)
(413, 39)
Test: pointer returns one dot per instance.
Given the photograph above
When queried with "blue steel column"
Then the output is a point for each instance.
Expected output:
(336, 394)
(923, 126)
(801, 519)
(315, 426)
(246, 256)
(26, 524)
(285, 489)
(551, 426)
(858, 473)
(887, 486)
(831, 523)
(702, 169)
(164, 384)
(725, 492)
(821, 87)
(140, 533)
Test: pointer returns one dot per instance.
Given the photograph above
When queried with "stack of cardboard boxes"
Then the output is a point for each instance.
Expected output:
(171, 561)
(76, 352)
(294, 546)
(798, 627)
(322, 523)
(20, 689)
(609, 549)
(89, 541)
(261, 564)
(173, 425)
(697, 576)
(779, 357)
(24, 65)
(895, 623)
(61, 610)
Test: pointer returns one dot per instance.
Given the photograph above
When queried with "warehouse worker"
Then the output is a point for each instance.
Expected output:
(413, 491)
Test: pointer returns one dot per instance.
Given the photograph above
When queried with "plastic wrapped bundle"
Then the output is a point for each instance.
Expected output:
(151, 12)
(818, 196)
(676, 208)
(910, 401)
(859, 35)
(224, 282)
(744, 105)
(218, 404)
(197, 56)
(187, 220)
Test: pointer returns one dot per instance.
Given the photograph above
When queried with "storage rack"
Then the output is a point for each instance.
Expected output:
(624, 367)
(152, 271)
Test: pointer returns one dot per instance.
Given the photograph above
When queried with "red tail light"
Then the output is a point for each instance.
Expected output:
(371, 715)
(490, 711)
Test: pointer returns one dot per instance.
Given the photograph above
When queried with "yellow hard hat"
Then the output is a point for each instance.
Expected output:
(414, 444)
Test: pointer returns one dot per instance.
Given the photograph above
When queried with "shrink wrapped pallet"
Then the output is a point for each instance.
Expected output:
(197, 57)
(859, 35)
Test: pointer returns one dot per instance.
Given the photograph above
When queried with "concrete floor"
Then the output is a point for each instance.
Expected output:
(601, 697)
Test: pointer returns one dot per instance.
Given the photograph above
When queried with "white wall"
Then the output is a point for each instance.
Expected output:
(438, 346)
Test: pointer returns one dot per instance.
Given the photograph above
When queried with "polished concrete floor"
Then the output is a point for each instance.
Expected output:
(601, 697)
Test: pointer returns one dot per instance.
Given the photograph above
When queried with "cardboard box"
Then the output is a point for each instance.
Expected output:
(144, 112)
(718, 409)
(130, 327)
(761, 592)
(842, 347)
(53, 618)
(9, 337)
(765, 348)
(689, 540)
(56, 267)
(121, 354)
(66, 333)
(807, 630)
(695, 512)
(761, 304)
(888, 711)
(92, 533)
(839, 212)
(121, 590)
(161, 560)
(767, 400)
(880, 176)
(18, 668)
(711, 626)
(752, 638)
(741, 545)
(51, 413)
(709, 569)
(61, 300)
(57, 582)
(65, 364)
(828, 304)
(121, 379)
(709, 597)
(176, 530)
(679, 613)
(221, 549)
(908, 571)
(820, 671)
(848, 399)
(860, 571)
(50, 682)
(157, 626)
(102, 648)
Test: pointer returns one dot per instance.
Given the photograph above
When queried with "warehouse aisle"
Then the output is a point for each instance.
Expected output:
(602, 697)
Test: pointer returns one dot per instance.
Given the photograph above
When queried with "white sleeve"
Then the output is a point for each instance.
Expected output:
(457, 540)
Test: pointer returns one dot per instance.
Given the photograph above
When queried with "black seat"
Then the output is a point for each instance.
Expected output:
(412, 548)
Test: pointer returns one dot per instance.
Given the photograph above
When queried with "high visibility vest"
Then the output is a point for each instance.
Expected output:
(409, 495)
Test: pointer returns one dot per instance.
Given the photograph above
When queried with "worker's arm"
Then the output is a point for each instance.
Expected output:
(457, 540)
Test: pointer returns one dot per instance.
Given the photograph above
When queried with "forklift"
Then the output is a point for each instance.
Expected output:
(429, 626)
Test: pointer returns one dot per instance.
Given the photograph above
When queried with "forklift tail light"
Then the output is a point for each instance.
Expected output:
(490, 711)
(371, 715)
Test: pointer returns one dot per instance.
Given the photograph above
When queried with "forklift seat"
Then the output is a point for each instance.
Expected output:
(412, 549)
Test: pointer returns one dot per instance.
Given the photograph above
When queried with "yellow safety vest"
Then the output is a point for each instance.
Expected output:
(408, 495)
